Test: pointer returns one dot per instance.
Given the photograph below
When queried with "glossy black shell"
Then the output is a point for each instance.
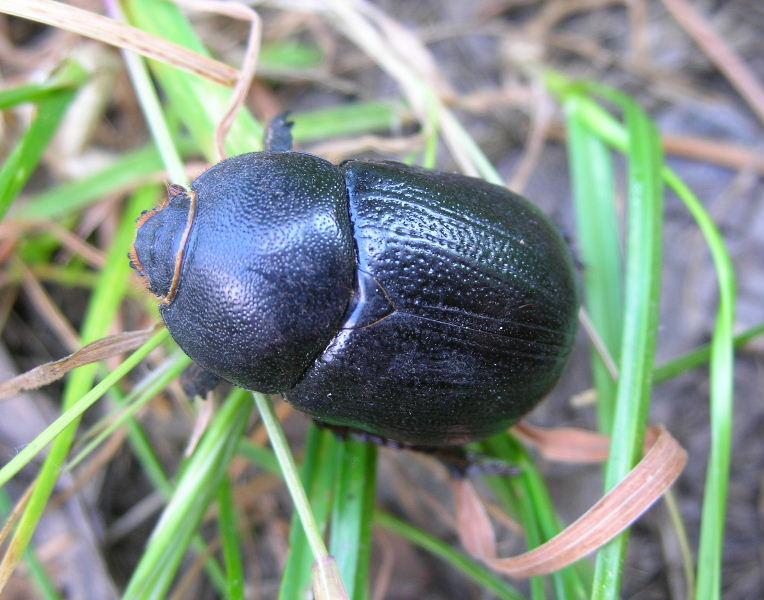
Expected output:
(424, 307)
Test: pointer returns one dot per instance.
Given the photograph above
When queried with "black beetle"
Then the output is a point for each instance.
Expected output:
(423, 307)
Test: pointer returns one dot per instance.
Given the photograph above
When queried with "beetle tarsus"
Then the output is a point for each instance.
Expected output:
(278, 138)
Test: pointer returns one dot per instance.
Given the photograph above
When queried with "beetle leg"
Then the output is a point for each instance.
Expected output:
(461, 463)
(573, 247)
(480, 464)
(278, 137)
(456, 459)
(197, 381)
(342, 433)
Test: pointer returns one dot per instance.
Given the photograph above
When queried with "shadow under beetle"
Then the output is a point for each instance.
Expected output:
(424, 307)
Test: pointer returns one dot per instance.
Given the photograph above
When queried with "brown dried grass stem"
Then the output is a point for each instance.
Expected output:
(109, 31)
(107, 347)
(717, 50)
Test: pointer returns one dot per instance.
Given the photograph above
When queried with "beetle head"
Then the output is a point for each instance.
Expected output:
(157, 253)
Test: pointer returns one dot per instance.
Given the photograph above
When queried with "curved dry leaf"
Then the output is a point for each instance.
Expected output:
(475, 530)
(609, 517)
(107, 347)
(565, 444)
(570, 444)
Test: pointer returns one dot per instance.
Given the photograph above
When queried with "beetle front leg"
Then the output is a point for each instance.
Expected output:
(197, 381)
(278, 137)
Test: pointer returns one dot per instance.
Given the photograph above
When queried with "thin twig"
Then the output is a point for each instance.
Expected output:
(50, 312)
(717, 50)
(598, 343)
(534, 145)
(235, 10)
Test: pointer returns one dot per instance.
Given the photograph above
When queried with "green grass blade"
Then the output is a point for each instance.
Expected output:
(22, 161)
(599, 240)
(229, 533)
(67, 78)
(354, 499)
(75, 410)
(318, 474)
(71, 275)
(144, 452)
(29, 93)
(289, 56)
(198, 103)
(640, 324)
(152, 468)
(259, 456)
(480, 574)
(514, 494)
(128, 171)
(102, 308)
(700, 356)
(152, 112)
(527, 497)
(711, 550)
(291, 477)
(198, 483)
(36, 569)
(141, 395)
(722, 346)
(346, 120)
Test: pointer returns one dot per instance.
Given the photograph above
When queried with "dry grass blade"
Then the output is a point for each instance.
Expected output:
(571, 445)
(553, 13)
(729, 63)
(15, 515)
(614, 512)
(109, 31)
(327, 583)
(539, 129)
(50, 312)
(715, 151)
(386, 566)
(475, 530)
(339, 150)
(393, 47)
(565, 444)
(203, 420)
(98, 350)
(598, 342)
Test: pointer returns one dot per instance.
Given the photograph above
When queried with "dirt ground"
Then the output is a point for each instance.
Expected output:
(480, 47)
